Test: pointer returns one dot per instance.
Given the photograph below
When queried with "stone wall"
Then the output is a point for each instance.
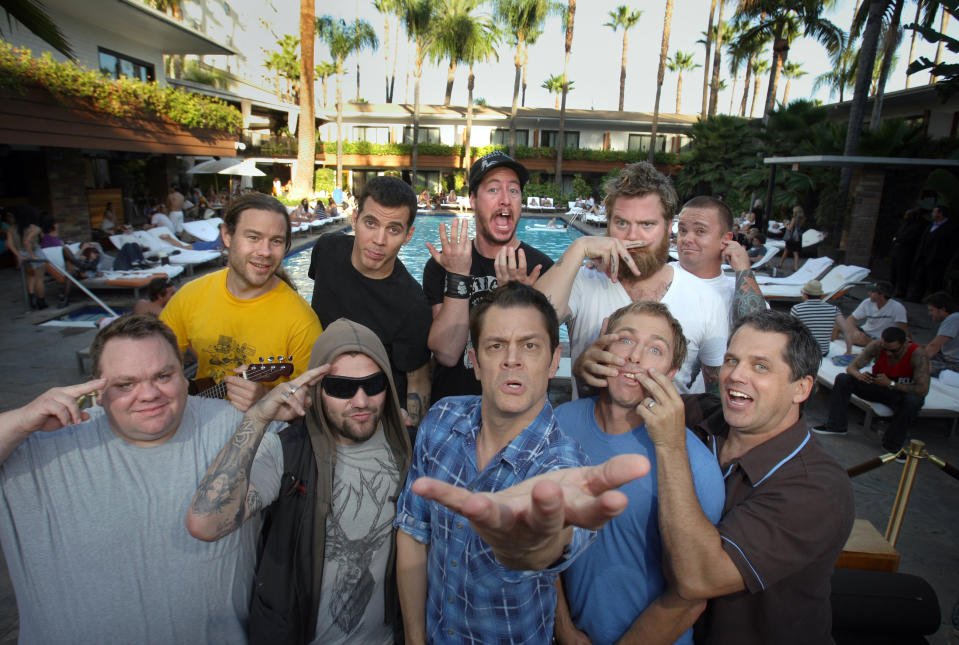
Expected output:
(867, 195)
(67, 179)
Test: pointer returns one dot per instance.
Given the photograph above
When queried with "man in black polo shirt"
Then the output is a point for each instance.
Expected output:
(766, 567)
(361, 278)
(457, 278)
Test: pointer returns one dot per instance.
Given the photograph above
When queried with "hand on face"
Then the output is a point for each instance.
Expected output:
(289, 400)
(735, 255)
(662, 410)
(56, 408)
(597, 363)
(605, 254)
(510, 265)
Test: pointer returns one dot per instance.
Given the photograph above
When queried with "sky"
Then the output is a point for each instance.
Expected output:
(595, 60)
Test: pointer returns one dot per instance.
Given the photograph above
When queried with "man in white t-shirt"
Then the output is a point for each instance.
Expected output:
(871, 317)
(640, 203)
(943, 350)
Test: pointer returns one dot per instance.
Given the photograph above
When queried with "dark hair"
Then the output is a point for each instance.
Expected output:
(894, 334)
(942, 209)
(390, 192)
(46, 223)
(940, 300)
(258, 201)
(883, 287)
(134, 326)
(723, 214)
(912, 214)
(658, 309)
(511, 295)
(158, 287)
(640, 179)
(25, 217)
(760, 237)
(802, 352)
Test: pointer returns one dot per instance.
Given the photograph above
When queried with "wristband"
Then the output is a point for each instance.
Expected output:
(457, 286)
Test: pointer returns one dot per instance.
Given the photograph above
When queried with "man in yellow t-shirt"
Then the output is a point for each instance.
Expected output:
(244, 313)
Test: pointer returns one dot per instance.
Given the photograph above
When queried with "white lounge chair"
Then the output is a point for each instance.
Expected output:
(834, 284)
(207, 230)
(811, 269)
(153, 245)
(108, 278)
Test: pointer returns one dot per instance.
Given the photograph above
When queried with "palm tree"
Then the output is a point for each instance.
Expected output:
(286, 64)
(842, 73)
(889, 46)
(306, 128)
(663, 51)
(681, 62)
(33, 16)
(341, 40)
(709, 44)
(623, 17)
(453, 24)
(791, 70)
(479, 46)
(722, 30)
(531, 39)
(363, 36)
(554, 85)
(743, 50)
(389, 9)
(519, 18)
(419, 17)
(561, 138)
(928, 16)
(323, 71)
(760, 67)
(782, 20)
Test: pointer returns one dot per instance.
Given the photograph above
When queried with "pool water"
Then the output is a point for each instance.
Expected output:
(414, 255)
(427, 229)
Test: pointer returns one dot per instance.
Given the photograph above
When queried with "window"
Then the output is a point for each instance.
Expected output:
(427, 135)
(373, 134)
(640, 142)
(116, 65)
(549, 138)
(500, 137)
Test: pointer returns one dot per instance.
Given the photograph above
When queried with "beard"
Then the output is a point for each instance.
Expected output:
(648, 259)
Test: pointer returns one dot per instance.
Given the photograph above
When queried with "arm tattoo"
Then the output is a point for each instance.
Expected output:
(225, 489)
(414, 407)
(867, 356)
(711, 379)
(747, 298)
(920, 375)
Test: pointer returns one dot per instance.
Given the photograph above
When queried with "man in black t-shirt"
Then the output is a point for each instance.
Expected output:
(465, 271)
(361, 279)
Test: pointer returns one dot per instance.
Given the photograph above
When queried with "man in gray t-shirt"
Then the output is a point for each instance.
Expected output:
(95, 540)
(943, 350)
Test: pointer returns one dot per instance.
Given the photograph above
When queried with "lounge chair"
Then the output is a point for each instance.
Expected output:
(834, 284)
(107, 278)
(207, 230)
(152, 245)
(758, 264)
(811, 269)
(532, 204)
(942, 401)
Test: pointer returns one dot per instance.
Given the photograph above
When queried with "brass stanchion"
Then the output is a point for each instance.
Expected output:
(914, 453)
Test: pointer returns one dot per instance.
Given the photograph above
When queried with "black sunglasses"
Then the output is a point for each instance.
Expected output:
(345, 387)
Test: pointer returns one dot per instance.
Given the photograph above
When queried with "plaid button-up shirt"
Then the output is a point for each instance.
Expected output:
(471, 597)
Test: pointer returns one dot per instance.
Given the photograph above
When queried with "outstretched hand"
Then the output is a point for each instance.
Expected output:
(288, 400)
(596, 363)
(528, 525)
(456, 255)
(510, 265)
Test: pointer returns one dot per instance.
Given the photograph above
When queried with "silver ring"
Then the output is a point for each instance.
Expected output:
(649, 406)
(292, 390)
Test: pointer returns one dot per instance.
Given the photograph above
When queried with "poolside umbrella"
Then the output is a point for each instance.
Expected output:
(213, 166)
(245, 168)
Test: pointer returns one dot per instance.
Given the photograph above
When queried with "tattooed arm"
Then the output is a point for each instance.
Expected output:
(417, 394)
(747, 298)
(225, 498)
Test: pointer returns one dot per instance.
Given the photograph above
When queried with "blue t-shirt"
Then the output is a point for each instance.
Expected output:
(610, 585)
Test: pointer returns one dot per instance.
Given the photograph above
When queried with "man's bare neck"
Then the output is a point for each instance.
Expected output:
(653, 287)
(240, 290)
(739, 443)
(613, 419)
(498, 432)
(706, 272)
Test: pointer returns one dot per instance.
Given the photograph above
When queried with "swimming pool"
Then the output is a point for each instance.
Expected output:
(414, 255)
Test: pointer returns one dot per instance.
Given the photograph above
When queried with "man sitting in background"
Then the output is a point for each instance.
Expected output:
(160, 290)
(871, 317)
(943, 351)
(820, 317)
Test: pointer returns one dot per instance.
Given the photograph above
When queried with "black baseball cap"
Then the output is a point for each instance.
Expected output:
(881, 286)
(493, 160)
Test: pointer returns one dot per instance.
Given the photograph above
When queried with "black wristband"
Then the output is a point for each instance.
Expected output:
(457, 286)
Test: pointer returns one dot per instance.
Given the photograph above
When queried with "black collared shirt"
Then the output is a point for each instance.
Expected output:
(789, 510)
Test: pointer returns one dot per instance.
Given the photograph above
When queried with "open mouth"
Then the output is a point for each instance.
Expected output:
(738, 398)
(513, 387)
(261, 267)
(502, 221)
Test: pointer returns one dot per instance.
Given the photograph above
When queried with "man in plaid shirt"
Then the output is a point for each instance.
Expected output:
(495, 489)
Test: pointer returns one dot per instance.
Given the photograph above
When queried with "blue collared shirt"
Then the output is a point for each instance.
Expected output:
(471, 597)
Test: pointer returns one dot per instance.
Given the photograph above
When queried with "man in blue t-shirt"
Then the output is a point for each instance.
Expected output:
(617, 586)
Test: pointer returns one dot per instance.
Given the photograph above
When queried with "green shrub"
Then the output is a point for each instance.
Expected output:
(324, 179)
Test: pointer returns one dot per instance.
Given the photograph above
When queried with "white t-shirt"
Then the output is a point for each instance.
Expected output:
(874, 320)
(160, 219)
(723, 284)
(701, 312)
(96, 543)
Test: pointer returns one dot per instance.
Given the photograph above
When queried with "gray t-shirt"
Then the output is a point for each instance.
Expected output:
(950, 327)
(96, 543)
(358, 531)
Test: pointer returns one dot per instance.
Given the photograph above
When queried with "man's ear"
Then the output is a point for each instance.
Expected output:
(672, 373)
(554, 364)
(802, 388)
(409, 236)
(728, 235)
(225, 237)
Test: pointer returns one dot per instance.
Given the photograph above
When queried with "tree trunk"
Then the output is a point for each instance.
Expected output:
(357, 75)
(749, 73)
(780, 52)
(867, 58)
(339, 122)
(450, 77)
(679, 90)
(518, 64)
(561, 143)
(469, 119)
(663, 52)
(525, 70)
(912, 45)
(943, 23)
(717, 59)
(386, 56)
(756, 83)
(323, 81)
(786, 91)
(732, 94)
(417, 73)
(622, 73)
(396, 49)
(709, 45)
(306, 128)
(893, 37)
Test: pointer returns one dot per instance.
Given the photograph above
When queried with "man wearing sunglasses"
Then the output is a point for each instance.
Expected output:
(486, 518)
(327, 568)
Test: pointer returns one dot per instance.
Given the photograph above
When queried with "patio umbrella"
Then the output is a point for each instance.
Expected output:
(213, 166)
(245, 168)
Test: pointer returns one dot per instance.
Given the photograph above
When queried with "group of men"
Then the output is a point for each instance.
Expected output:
(488, 522)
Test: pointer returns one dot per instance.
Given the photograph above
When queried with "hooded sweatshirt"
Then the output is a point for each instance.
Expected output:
(290, 571)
